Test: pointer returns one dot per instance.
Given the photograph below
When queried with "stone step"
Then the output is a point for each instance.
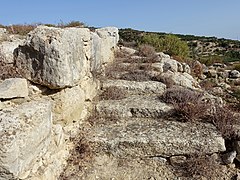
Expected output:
(108, 167)
(141, 137)
(134, 106)
(134, 87)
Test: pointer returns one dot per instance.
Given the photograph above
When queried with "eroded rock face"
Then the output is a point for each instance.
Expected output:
(24, 135)
(13, 87)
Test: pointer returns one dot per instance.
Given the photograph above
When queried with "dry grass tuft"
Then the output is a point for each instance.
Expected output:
(113, 93)
(208, 84)
(225, 119)
(136, 76)
(147, 50)
(198, 166)
(21, 29)
(8, 71)
(187, 103)
(165, 80)
(81, 155)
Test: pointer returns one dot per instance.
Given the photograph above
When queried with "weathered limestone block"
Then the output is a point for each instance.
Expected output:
(55, 57)
(129, 51)
(171, 65)
(134, 87)
(13, 87)
(150, 138)
(181, 79)
(7, 50)
(25, 133)
(68, 104)
(134, 106)
(104, 41)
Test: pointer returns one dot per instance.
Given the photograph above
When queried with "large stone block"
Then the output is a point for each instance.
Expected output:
(60, 58)
(55, 57)
(103, 45)
(157, 138)
(25, 133)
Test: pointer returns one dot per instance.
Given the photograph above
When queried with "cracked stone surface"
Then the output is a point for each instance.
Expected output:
(140, 137)
(134, 106)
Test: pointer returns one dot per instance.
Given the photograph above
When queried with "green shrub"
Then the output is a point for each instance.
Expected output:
(169, 44)
(74, 24)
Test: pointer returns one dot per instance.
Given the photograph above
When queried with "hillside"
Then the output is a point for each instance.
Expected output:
(204, 49)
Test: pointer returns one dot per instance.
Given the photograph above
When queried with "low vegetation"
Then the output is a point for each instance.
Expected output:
(169, 44)
(204, 49)
(23, 29)
(198, 166)
(113, 93)
(188, 104)
(8, 71)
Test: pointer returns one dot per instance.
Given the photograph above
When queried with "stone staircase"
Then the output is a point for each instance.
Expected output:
(138, 137)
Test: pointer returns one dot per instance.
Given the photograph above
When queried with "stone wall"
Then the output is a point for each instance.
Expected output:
(35, 126)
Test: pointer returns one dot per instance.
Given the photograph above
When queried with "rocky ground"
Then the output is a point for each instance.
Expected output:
(134, 133)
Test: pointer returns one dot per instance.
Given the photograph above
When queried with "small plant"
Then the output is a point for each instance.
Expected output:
(165, 80)
(197, 69)
(113, 93)
(237, 67)
(146, 50)
(73, 24)
(8, 71)
(21, 29)
(208, 84)
(81, 155)
(136, 76)
(188, 104)
(224, 120)
(197, 166)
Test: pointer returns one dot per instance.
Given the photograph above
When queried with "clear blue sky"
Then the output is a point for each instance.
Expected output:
(219, 18)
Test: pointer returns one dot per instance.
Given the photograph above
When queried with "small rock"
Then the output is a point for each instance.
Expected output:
(13, 87)
(219, 65)
(212, 73)
(234, 74)
(229, 157)
(128, 50)
(186, 68)
(162, 55)
(177, 160)
(160, 159)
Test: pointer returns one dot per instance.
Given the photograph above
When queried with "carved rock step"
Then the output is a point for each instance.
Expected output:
(139, 137)
(134, 106)
(134, 87)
